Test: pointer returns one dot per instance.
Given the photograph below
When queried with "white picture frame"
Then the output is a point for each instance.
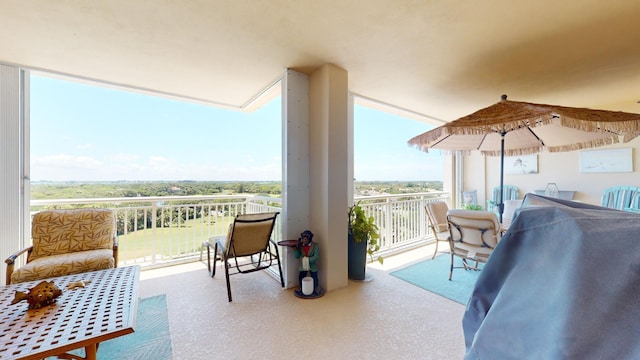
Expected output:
(470, 197)
(521, 165)
(606, 161)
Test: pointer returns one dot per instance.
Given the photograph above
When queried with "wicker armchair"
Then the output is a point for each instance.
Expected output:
(66, 242)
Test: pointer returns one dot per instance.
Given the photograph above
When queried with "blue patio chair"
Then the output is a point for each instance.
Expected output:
(620, 197)
(634, 206)
(509, 192)
(635, 203)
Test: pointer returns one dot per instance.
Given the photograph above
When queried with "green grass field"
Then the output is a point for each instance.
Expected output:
(170, 241)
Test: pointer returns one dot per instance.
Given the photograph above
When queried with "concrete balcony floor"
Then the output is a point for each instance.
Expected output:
(385, 318)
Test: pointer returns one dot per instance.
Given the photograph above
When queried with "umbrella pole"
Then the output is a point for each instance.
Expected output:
(500, 196)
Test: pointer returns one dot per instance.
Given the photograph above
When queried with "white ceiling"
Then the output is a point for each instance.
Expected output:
(442, 59)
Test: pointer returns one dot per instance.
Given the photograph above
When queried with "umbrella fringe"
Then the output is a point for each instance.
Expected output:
(444, 130)
(630, 130)
(513, 152)
(426, 137)
(583, 145)
(528, 151)
(443, 151)
(630, 136)
(419, 147)
(506, 116)
(617, 127)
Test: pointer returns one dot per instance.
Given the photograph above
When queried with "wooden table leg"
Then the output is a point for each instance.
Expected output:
(90, 351)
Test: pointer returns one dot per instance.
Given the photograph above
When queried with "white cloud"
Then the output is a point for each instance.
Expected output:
(59, 167)
(156, 168)
(66, 161)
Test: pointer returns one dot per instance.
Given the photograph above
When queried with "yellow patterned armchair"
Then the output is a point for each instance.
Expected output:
(67, 242)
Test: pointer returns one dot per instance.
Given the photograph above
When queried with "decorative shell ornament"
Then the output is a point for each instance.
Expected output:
(43, 294)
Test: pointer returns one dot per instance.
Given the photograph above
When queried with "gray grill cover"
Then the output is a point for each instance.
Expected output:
(563, 283)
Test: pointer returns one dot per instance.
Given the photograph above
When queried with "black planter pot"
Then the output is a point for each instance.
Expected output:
(357, 259)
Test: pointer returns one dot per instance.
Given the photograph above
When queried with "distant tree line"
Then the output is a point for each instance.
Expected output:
(396, 187)
(87, 190)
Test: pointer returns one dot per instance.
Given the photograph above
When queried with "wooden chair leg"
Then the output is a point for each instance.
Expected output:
(10, 266)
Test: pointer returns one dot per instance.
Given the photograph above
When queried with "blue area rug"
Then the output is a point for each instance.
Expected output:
(151, 339)
(433, 275)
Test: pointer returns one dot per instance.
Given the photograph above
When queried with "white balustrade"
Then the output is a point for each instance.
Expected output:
(161, 231)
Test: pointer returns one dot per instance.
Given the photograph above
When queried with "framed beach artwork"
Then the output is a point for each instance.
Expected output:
(606, 161)
(523, 164)
(470, 197)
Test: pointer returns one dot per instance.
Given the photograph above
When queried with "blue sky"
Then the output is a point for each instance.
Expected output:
(81, 132)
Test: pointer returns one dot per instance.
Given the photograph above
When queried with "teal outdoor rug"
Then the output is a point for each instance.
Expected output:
(433, 275)
(151, 339)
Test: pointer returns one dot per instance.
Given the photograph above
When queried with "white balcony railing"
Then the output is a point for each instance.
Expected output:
(401, 219)
(160, 231)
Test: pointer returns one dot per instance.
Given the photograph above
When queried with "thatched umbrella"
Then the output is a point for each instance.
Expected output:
(511, 128)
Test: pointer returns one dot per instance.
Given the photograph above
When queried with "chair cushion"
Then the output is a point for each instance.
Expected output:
(250, 234)
(64, 231)
(437, 212)
(474, 221)
(64, 264)
(474, 252)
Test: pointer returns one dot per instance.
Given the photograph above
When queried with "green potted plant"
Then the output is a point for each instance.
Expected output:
(363, 239)
(472, 207)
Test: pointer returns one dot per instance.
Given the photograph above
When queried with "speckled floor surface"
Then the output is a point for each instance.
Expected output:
(386, 318)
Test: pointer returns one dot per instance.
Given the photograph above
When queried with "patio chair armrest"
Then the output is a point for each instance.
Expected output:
(439, 227)
(11, 261)
(12, 258)
(446, 225)
(221, 243)
(115, 251)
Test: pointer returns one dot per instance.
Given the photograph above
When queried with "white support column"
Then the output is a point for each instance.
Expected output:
(12, 107)
(318, 168)
(455, 163)
(329, 146)
(295, 177)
